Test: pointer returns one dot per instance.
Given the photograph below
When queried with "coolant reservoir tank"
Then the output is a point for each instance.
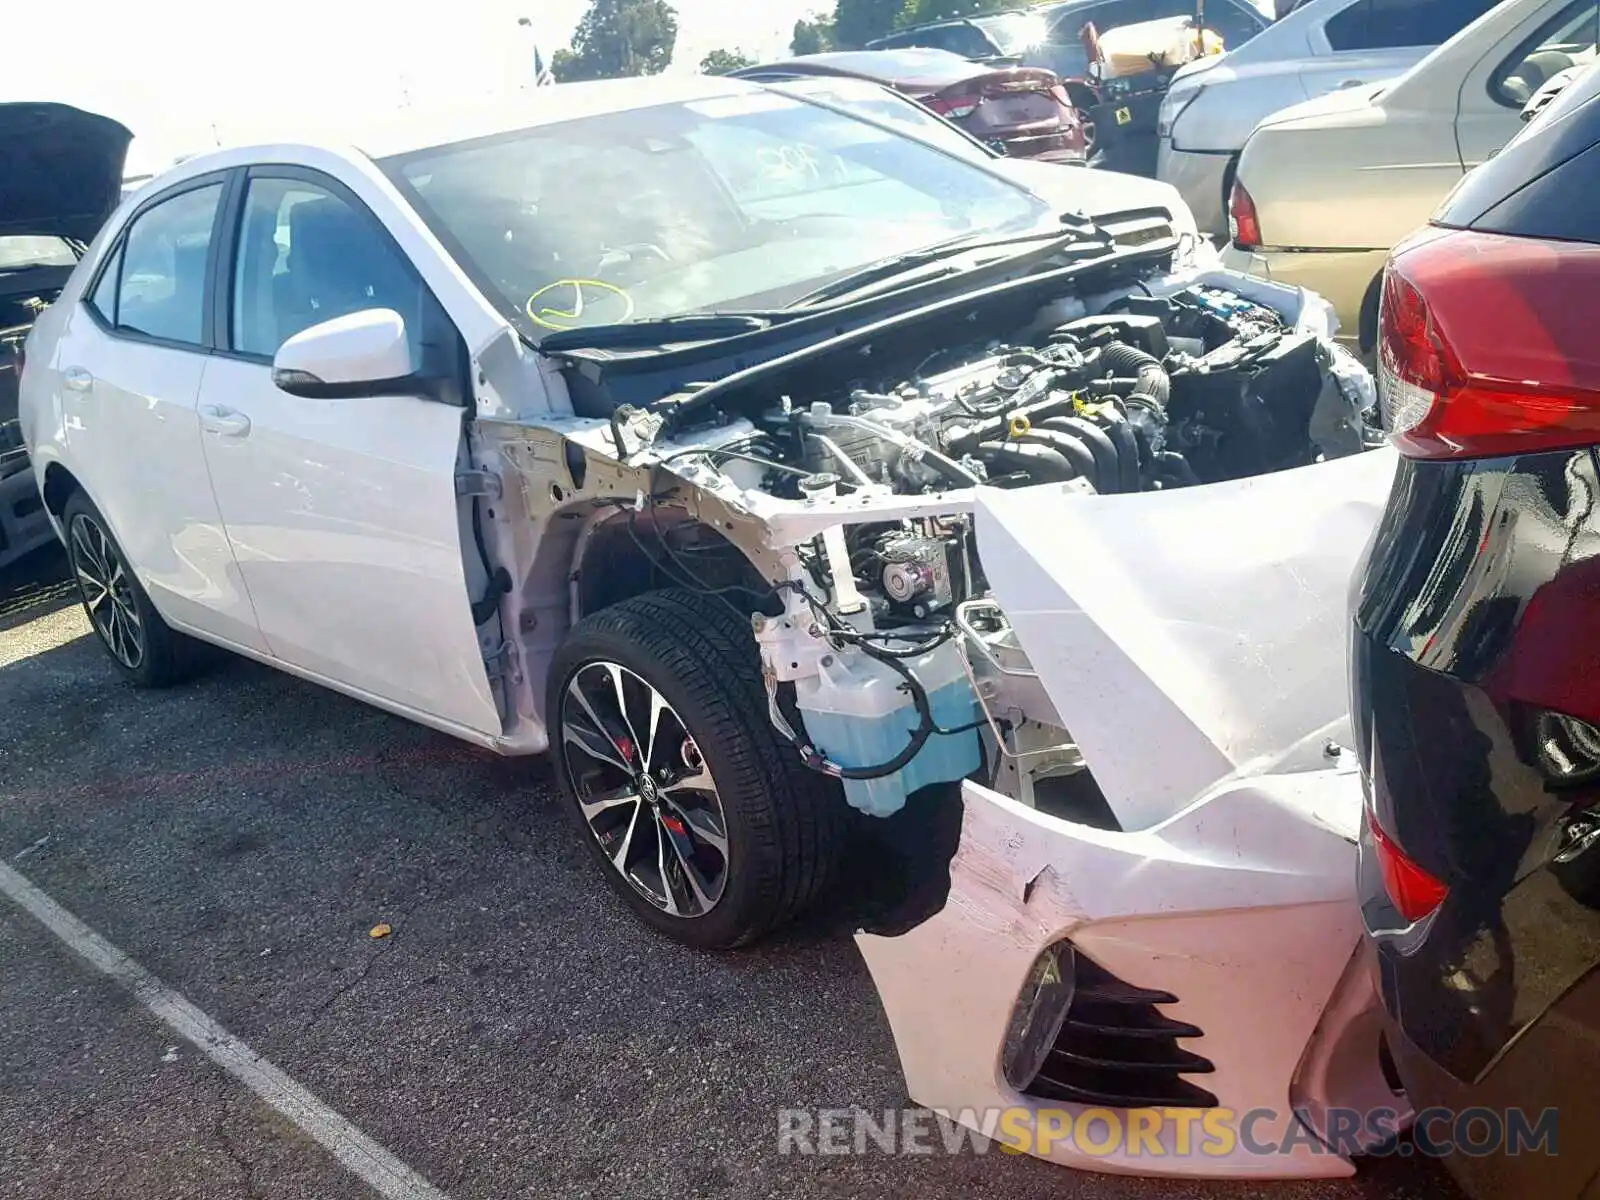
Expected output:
(859, 713)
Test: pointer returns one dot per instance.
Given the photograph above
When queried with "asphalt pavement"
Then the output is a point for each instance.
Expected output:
(516, 1033)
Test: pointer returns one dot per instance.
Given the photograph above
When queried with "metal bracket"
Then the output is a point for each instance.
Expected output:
(479, 483)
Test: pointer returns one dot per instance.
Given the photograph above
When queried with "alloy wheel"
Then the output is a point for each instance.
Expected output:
(644, 789)
(107, 591)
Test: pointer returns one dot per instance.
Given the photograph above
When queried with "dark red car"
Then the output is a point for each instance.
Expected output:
(1025, 109)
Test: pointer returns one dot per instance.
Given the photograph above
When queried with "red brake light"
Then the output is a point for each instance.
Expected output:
(1244, 224)
(1412, 891)
(954, 107)
(1486, 345)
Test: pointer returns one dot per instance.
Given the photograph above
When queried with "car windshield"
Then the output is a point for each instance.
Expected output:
(19, 252)
(737, 202)
(1015, 33)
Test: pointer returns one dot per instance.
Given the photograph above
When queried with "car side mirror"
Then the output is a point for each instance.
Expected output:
(365, 353)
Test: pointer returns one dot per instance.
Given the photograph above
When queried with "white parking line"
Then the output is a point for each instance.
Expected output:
(374, 1165)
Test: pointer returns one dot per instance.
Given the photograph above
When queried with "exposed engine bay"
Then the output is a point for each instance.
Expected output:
(888, 663)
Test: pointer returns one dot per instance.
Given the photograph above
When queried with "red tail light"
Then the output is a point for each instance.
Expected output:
(1244, 224)
(954, 107)
(1486, 345)
(1412, 891)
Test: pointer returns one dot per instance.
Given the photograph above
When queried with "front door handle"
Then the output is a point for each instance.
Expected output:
(224, 422)
(1350, 83)
(77, 379)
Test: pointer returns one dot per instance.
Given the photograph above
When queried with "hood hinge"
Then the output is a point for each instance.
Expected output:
(479, 483)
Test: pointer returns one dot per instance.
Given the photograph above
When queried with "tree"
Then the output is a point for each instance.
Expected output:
(811, 35)
(721, 62)
(857, 22)
(617, 38)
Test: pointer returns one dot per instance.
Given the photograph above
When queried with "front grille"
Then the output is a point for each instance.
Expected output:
(1138, 227)
(1117, 1050)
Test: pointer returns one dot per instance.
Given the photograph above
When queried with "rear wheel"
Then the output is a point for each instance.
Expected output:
(145, 650)
(700, 816)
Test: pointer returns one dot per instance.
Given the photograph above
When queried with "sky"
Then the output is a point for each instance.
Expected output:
(183, 74)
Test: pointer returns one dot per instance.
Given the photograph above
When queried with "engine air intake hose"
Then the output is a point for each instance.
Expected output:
(1122, 359)
(1107, 475)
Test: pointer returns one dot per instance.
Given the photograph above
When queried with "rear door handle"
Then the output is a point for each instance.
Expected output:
(224, 422)
(77, 379)
(1350, 83)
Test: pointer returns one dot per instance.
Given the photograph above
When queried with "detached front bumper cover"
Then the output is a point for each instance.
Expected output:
(1204, 954)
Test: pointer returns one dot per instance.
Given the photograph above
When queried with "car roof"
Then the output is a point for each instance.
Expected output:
(919, 63)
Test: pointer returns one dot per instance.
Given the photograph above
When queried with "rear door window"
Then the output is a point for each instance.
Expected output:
(163, 261)
(1391, 24)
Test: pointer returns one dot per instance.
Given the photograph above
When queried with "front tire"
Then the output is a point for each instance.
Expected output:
(699, 814)
(145, 650)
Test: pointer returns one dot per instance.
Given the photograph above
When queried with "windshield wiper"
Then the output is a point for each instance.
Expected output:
(887, 268)
(688, 327)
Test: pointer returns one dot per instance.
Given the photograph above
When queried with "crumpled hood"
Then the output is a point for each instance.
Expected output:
(60, 169)
(1193, 636)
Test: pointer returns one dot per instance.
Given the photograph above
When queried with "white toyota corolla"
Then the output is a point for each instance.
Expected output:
(763, 462)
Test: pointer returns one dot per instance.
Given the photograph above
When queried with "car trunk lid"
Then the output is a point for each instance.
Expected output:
(60, 169)
(1005, 99)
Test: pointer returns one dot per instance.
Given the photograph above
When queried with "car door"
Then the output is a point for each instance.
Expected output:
(128, 368)
(1372, 40)
(343, 513)
(1556, 36)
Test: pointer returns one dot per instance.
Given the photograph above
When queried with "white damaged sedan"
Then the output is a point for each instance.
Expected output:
(782, 474)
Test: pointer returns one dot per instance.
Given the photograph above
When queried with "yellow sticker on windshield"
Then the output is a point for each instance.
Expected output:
(574, 303)
(1124, 116)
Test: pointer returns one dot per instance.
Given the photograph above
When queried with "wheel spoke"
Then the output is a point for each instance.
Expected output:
(607, 801)
(704, 826)
(94, 592)
(586, 742)
(620, 858)
(700, 781)
(668, 893)
(609, 753)
(622, 705)
(691, 873)
(658, 705)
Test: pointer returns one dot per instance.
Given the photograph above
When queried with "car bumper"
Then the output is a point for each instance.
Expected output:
(1200, 180)
(1341, 277)
(1241, 907)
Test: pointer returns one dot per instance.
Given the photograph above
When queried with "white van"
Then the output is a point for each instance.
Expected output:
(1326, 188)
(1320, 47)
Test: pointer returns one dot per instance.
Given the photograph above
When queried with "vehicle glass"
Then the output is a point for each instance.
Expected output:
(1014, 33)
(958, 39)
(21, 251)
(890, 108)
(1568, 40)
(737, 202)
(162, 286)
(306, 256)
(104, 300)
(1390, 24)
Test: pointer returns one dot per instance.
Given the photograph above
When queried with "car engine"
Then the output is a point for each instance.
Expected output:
(892, 606)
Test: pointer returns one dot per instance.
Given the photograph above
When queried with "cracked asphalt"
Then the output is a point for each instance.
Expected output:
(517, 1034)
